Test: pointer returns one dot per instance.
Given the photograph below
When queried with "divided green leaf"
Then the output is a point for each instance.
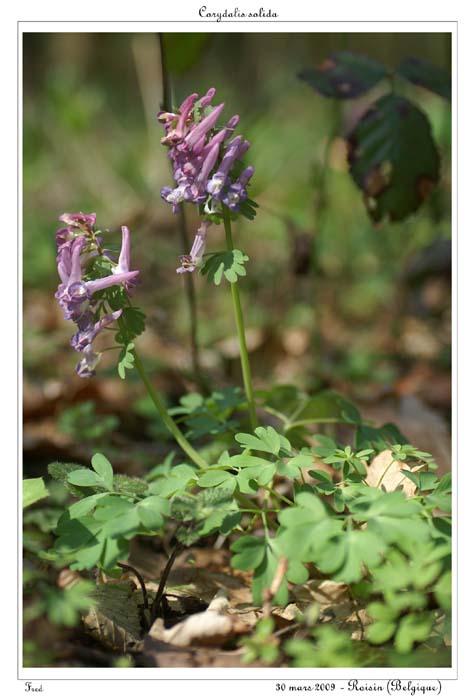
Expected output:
(33, 490)
(125, 360)
(103, 468)
(264, 440)
(230, 263)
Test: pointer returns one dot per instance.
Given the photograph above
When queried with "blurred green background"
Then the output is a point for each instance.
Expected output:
(330, 299)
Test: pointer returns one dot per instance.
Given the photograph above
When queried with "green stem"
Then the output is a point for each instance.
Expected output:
(265, 525)
(384, 472)
(168, 420)
(240, 327)
(279, 496)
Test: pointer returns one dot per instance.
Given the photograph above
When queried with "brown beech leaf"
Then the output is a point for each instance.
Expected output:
(324, 592)
(114, 621)
(385, 472)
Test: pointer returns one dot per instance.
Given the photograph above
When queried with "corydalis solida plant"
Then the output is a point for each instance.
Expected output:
(78, 247)
(207, 166)
(86, 269)
(216, 497)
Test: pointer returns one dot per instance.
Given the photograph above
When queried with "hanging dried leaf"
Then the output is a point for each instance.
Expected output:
(344, 75)
(424, 74)
(393, 158)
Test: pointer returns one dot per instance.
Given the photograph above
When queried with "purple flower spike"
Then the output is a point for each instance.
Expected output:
(76, 290)
(203, 165)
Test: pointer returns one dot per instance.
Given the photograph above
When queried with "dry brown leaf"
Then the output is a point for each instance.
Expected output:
(422, 425)
(247, 615)
(114, 621)
(385, 472)
(291, 612)
(323, 592)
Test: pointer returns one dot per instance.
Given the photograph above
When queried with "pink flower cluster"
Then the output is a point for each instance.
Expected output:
(205, 163)
(77, 246)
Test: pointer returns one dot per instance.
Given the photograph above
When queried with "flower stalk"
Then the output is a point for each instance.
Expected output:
(240, 327)
(163, 413)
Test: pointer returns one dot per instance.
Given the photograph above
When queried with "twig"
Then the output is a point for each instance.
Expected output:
(269, 593)
(128, 567)
(163, 580)
(357, 615)
(287, 630)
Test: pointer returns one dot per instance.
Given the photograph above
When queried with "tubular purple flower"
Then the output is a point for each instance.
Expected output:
(185, 109)
(232, 122)
(199, 146)
(63, 235)
(237, 191)
(217, 139)
(104, 282)
(218, 180)
(86, 367)
(191, 261)
(206, 100)
(208, 164)
(74, 300)
(187, 105)
(246, 175)
(69, 263)
(242, 148)
(84, 337)
(124, 261)
(123, 264)
(76, 249)
(173, 197)
(176, 124)
(205, 125)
